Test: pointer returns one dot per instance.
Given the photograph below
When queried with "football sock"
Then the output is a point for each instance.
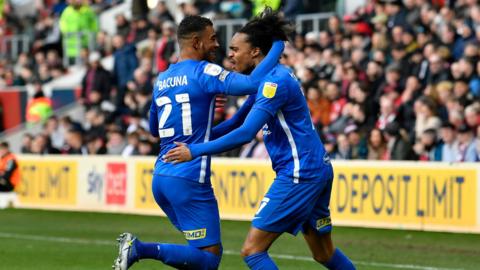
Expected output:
(178, 256)
(339, 261)
(260, 261)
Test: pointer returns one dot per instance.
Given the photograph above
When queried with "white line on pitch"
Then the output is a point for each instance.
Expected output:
(226, 252)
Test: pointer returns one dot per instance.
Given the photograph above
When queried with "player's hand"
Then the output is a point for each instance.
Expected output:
(179, 154)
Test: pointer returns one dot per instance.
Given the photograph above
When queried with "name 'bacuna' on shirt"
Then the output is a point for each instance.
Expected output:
(172, 82)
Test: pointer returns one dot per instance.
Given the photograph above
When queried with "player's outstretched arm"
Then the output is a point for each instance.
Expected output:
(240, 136)
(237, 119)
(219, 81)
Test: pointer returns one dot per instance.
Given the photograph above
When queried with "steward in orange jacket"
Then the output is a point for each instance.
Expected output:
(9, 170)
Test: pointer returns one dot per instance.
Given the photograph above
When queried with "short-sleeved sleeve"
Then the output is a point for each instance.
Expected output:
(271, 96)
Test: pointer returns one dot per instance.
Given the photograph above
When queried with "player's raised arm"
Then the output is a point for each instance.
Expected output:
(215, 79)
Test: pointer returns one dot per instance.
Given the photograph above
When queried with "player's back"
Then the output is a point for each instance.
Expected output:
(185, 114)
(290, 137)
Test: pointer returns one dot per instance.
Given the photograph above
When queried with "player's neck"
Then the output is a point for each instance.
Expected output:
(186, 54)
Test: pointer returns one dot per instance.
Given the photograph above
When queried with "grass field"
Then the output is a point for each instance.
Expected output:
(41, 240)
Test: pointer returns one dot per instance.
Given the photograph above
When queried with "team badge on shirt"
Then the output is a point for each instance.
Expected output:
(212, 69)
(269, 89)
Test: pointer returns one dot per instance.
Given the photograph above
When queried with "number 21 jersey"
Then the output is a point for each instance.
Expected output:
(182, 111)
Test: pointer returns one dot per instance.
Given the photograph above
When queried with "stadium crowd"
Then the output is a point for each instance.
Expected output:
(392, 81)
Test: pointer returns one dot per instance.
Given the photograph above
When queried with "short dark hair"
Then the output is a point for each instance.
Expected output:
(266, 28)
(192, 24)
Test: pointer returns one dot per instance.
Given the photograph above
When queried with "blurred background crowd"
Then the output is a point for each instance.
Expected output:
(394, 80)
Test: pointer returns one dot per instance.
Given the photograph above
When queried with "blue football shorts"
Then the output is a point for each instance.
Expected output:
(191, 207)
(289, 206)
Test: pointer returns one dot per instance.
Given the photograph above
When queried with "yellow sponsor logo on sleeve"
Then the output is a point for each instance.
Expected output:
(195, 234)
(269, 89)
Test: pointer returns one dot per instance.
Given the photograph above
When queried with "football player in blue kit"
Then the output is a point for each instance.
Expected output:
(182, 110)
(298, 199)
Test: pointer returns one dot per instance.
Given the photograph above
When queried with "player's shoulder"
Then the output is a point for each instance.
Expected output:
(280, 73)
(208, 68)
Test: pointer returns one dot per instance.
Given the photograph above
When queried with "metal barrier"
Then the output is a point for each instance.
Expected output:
(311, 22)
(12, 46)
(81, 40)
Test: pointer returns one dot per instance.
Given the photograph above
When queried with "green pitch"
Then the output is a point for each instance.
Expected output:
(45, 240)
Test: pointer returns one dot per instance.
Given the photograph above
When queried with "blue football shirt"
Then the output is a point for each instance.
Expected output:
(182, 111)
(290, 137)
(292, 142)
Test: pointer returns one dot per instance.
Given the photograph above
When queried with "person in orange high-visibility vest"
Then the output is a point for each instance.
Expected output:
(9, 171)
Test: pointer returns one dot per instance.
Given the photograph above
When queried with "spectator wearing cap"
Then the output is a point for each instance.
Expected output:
(358, 147)
(96, 79)
(466, 145)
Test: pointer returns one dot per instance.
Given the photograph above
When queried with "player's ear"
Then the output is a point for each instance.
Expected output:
(196, 42)
(255, 52)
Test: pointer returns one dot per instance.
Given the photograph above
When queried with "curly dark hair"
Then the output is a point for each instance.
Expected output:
(266, 28)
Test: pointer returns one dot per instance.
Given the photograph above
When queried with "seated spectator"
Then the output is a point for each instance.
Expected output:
(425, 112)
(398, 147)
(145, 147)
(115, 142)
(95, 145)
(466, 145)
(74, 143)
(358, 148)
(343, 148)
(133, 140)
(427, 148)
(42, 145)
(449, 146)
(377, 145)
(27, 140)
